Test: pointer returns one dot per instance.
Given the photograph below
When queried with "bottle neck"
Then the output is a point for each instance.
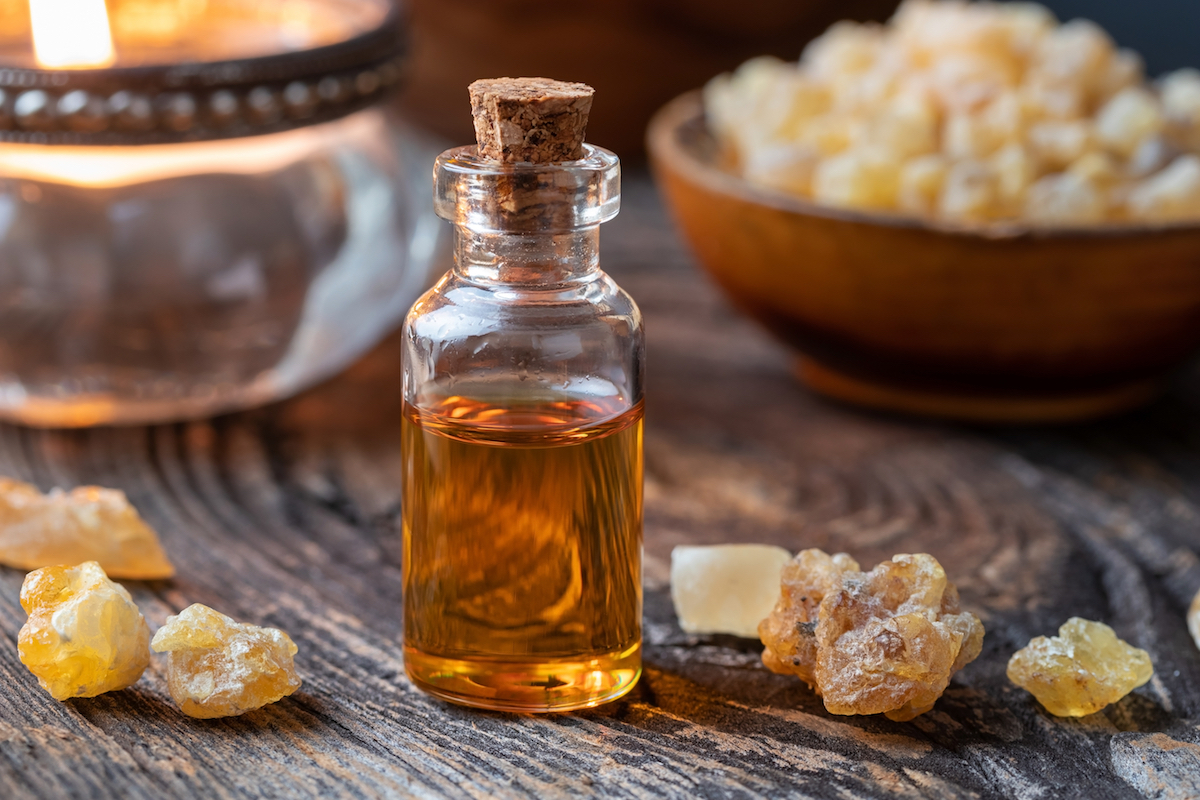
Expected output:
(533, 260)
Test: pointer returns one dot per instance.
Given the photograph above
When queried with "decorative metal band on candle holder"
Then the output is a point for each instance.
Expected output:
(200, 101)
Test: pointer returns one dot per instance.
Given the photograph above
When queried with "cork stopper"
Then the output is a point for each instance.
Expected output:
(534, 120)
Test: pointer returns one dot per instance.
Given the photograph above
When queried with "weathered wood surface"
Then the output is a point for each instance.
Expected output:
(288, 517)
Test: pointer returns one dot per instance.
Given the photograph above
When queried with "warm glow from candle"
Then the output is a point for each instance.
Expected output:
(71, 34)
(103, 167)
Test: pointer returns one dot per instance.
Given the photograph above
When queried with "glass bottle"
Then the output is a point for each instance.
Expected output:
(522, 445)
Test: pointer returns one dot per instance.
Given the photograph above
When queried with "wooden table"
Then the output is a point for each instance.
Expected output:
(288, 516)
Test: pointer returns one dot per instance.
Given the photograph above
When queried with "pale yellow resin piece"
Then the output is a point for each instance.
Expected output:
(84, 635)
(1080, 671)
(218, 667)
(727, 588)
(1193, 619)
(84, 524)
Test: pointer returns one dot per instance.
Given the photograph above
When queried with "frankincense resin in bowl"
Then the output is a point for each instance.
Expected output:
(968, 112)
(1023, 309)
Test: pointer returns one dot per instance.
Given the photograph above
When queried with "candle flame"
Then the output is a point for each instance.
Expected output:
(71, 34)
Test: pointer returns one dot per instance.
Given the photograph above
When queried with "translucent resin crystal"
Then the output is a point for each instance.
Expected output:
(880, 642)
(217, 667)
(1193, 619)
(1080, 671)
(84, 635)
(727, 588)
(84, 524)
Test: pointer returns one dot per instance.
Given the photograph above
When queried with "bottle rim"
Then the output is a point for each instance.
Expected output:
(488, 196)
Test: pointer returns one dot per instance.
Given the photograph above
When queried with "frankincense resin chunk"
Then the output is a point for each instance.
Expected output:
(217, 667)
(727, 588)
(84, 524)
(880, 642)
(1080, 671)
(1193, 619)
(84, 635)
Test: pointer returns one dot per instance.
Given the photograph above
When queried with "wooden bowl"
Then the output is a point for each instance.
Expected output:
(999, 324)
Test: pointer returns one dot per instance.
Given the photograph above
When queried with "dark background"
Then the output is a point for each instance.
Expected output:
(1165, 32)
(641, 53)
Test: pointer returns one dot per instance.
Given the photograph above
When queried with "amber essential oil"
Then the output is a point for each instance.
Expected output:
(522, 551)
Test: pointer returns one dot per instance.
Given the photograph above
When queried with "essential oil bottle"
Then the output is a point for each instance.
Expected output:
(522, 430)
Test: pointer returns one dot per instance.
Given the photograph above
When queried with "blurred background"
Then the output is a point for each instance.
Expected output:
(640, 53)
(1162, 31)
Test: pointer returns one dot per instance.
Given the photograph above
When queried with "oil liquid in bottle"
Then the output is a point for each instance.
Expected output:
(522, 551)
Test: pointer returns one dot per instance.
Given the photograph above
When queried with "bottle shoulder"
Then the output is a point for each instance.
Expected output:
(458, 304)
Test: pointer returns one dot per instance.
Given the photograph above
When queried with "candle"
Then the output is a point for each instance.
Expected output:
(202, 203)
(76, 34)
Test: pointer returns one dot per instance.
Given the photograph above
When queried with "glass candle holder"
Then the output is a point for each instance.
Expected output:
(218, 231)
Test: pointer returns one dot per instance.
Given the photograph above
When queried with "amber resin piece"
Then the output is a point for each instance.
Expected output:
(217, 667)
(84, 635)
(880, 642)
(84, 524)
(1080, 671)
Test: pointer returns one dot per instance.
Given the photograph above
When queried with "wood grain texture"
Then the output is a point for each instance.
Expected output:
(288, 516)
